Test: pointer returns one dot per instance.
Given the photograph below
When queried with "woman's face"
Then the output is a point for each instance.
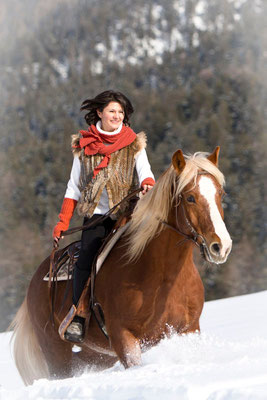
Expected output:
(111, 116)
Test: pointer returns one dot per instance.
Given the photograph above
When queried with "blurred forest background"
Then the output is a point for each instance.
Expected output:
(195, 71)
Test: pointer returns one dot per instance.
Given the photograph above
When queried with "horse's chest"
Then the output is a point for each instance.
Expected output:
(178, 306)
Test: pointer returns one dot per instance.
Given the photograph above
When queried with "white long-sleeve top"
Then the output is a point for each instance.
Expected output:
(142, 166)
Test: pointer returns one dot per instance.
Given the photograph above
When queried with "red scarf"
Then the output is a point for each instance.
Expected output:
(93, 143)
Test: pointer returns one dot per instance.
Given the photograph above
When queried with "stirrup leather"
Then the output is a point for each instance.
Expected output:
(67, 321)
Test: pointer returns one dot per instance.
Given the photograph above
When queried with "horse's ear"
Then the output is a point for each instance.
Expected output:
(214, 157)
(178, 161)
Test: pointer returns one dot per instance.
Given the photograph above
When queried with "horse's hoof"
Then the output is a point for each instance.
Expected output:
(76, 330)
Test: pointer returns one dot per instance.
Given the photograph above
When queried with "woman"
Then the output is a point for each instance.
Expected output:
(109, 162)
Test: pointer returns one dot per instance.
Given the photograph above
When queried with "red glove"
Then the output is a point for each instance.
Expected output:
(148, 181)
(67, 210)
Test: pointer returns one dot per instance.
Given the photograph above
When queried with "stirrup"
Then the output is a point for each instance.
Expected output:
(76, 330)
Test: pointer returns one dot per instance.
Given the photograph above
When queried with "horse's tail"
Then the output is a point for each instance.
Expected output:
(27, 353)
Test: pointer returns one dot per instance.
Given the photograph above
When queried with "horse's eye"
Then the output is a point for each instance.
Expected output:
(191, 199)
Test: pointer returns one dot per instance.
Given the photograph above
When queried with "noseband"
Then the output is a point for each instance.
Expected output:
(194, 237)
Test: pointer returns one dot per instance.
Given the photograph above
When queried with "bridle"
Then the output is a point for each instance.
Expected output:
(195, 237)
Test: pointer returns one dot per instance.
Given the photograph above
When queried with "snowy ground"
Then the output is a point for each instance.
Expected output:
(228, 361)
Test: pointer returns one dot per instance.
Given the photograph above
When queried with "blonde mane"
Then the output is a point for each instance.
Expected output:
(154, 207)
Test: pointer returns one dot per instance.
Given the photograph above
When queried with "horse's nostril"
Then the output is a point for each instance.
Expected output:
(215, 247)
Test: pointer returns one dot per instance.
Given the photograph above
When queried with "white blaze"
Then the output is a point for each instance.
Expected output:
(208, 191)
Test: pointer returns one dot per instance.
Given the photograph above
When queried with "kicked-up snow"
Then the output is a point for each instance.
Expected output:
(227, 361)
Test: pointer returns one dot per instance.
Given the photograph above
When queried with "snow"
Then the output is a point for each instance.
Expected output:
(227, 361)
(156, 11)
(97, 67)
(61, 68)
(151, 32)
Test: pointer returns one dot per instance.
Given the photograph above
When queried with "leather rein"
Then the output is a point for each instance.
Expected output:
(102, 217)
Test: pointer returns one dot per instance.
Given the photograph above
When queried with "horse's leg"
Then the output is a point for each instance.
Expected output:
(127, 347)
(194, 328)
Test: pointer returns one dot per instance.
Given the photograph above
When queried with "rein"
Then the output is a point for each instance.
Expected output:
(102, 217)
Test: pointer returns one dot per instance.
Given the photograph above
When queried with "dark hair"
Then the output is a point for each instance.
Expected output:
(101, 101)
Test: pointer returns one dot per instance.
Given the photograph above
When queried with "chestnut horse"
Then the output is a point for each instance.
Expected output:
(148, 286)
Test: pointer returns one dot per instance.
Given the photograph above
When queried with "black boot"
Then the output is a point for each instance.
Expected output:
(76, 330)
(80, 278)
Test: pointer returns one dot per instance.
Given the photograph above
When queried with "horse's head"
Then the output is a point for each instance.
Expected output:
(199, 212)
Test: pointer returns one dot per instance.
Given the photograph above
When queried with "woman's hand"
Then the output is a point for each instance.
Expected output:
(56, 239)
(146, 188)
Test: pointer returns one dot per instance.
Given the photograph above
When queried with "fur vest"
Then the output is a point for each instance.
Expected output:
(119, 177)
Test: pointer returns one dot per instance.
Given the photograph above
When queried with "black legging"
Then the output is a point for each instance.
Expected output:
(91, 241)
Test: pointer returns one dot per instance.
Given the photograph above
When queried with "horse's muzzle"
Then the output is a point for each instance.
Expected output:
(215, 252)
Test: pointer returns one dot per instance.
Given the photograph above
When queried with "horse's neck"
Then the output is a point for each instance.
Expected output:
(173, 251)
